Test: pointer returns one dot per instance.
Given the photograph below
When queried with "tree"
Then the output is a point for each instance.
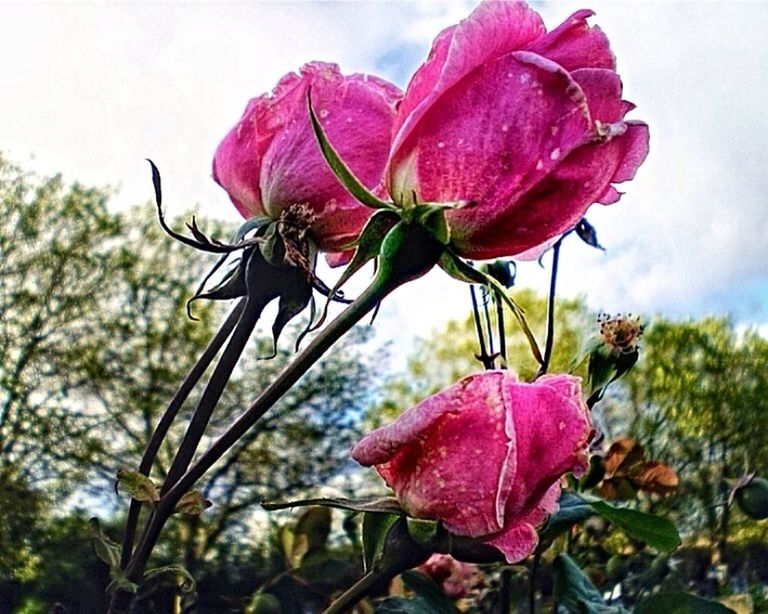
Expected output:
(94, 320)
(698, 398)
(56, 258)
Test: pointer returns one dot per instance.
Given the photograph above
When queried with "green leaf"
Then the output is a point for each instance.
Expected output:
(657, 532)
(680, 603)
(458, 269)
(106, 549)
(188, 582)
(192, 503)
(345, 176)
(575, 590)
(136, 484)
(375, 529)
(384, 505)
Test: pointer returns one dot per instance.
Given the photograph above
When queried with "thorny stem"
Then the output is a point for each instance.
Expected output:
(551, 310)
(161, 430)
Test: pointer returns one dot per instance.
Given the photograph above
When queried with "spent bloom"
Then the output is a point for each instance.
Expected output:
(270, 163)
(485, 455)
(527, 126)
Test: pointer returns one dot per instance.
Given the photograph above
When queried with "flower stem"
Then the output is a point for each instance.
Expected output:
(408, 252)
(161, 430)
(253, 307)
(551, 311)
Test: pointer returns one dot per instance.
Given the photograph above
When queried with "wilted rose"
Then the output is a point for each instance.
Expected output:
(526, 125)
(270, 161)
(485, 455)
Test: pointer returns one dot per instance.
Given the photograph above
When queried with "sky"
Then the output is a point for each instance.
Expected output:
(91, 89)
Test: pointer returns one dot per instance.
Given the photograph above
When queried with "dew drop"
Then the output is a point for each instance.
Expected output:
(505, 128)
(440, 144)
(555, 130)
(539, 165)
(555, 154)
(323, 113)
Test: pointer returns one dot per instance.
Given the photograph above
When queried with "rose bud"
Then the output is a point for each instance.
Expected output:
(485, 455)
(270, 161)
(457, 579)
(524, 125)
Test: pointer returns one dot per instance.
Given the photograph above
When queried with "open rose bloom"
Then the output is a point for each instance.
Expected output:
(270, 160)
(526, 125)
(485, 456)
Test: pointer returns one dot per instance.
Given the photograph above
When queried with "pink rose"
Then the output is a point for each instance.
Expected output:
(526, 124)
(485, 455)
(271, 160)
(455, 577)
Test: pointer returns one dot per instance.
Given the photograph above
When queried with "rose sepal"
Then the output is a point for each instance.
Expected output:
(343, 173)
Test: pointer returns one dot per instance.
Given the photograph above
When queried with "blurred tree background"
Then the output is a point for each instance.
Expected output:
(96, 338)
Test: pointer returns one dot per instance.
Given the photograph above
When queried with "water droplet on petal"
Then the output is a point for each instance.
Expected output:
(539, 165)
(440, 144)
(555, 154)
(555, 130)
(505, 127)
(323, 113)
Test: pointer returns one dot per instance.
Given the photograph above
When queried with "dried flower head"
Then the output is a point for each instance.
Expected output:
(621, 332)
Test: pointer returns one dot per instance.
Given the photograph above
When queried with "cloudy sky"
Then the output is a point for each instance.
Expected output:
(91, 89)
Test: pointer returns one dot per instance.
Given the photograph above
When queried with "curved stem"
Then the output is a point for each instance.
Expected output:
(161, 430)
(287, 378)
(408, 251)
(551, 310)
(253, 307)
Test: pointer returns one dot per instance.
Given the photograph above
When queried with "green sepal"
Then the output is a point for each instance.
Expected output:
(136, 484)
(382, 505)
(188, 584)
(368, 247)
(575, 590)
(252, 223)
(680, 603)
(458, 269)
(432, 217)
(657, 532)
(376, 526)
(106, 548)
(345, 176)
(192, 503)
(423, 532)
